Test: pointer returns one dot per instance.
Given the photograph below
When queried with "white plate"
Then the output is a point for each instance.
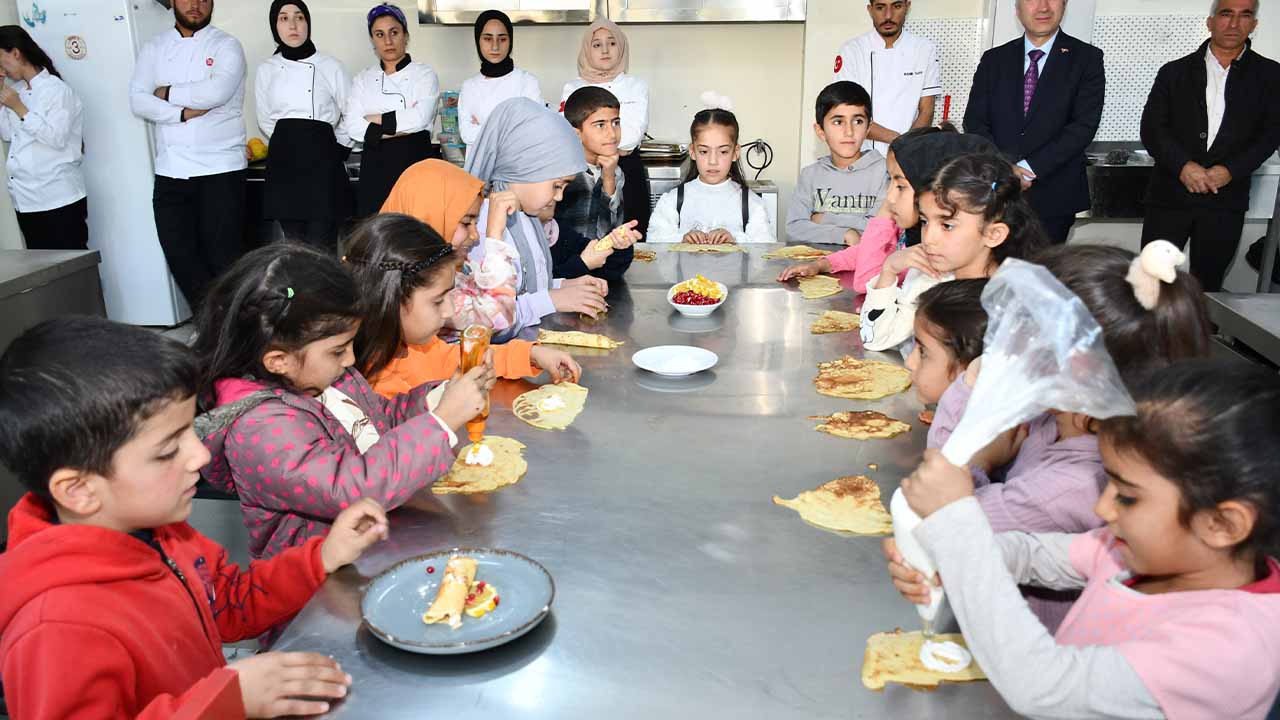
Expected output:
(674, 360)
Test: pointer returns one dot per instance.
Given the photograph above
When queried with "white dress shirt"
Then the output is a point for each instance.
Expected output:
(1215, 93)
(411, 93)
(314, 88)
(896, 78)
(633, 97)
(203, 72)
(480, 95)
(710, 207)
(43, 168)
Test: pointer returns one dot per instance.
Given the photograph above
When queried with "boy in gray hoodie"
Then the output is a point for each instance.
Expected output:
(835, 196)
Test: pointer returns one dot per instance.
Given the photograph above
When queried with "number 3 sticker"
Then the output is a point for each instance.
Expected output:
(75, 47)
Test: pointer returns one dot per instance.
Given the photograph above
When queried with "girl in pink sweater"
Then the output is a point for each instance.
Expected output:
(1180, 611)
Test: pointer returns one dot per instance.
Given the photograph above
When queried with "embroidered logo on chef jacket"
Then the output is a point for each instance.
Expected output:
(562, 107)
(208, 61)
(839, 63)
(825, 201)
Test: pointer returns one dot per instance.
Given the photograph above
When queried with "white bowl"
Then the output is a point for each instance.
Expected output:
(697, 310)
(675, 360)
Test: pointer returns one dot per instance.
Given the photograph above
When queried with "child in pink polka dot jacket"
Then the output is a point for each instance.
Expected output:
(1180, 614)
(293, 428)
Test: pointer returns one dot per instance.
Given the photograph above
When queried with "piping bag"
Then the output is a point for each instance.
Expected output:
(1043, 350)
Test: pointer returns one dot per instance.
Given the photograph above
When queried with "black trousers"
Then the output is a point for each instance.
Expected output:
(1214, 236)
(64, 228)
(1058, 227)
(320, 234)
(635, 192)
(200, 222)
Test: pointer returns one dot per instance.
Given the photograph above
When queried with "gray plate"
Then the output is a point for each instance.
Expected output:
(395, 600)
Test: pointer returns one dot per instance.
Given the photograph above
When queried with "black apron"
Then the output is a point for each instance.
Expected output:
(306, 179)
(382, 162)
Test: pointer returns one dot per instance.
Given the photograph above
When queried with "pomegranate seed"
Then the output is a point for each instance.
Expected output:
(495, 601)
(471, 598)
(430, 569)
(480, 585)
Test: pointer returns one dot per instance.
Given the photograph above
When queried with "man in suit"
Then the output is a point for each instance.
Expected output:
(1211, 119)
(1039, 99)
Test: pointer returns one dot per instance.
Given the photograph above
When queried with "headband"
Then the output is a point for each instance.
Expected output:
(387, 9)
(407, 268)
(1157, 263)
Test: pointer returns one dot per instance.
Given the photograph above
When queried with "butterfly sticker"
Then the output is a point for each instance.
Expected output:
(37, 16)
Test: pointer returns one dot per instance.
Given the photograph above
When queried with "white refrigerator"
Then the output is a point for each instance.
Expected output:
(93, 44)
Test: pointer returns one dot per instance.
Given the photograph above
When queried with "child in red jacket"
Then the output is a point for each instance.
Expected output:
(113, 605)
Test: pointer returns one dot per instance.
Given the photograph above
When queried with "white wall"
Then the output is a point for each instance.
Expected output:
(10, 237)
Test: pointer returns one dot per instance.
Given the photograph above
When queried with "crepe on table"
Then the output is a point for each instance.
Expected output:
(796, 252)
(895, 657)
(644, 255)
(834, 321)
(693, 248)
(507, 468)
(849, 504)
(451, 596)
(551, 407)
(861, 425)
(855, 379)
(819, 286)
(577, 338)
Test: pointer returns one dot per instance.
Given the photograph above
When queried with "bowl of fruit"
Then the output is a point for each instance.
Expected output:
(698, 297)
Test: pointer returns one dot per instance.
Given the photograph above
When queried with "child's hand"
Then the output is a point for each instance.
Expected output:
(852, 237)
(465, 396)
(696, 237)
(936, 483)
(578, 297)
(909, 581)
(594, 258)
(625, 235)
(817, 218)
(559, 364)
(971, 372)
(502, 204)
(820, 265)
(902, 260)
(598, 285)
(353, 531)
(720, 237)
(1001, 451)
(274, 684)
(608, 174)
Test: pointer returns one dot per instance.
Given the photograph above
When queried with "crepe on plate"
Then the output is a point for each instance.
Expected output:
(796, 252)
(551, 407)
(895, 657)
(819, 286)
(855, 379)
(693, 248)
(451, 596)
(575, 338)
(849, 504)
(644, 256)
(861, 425)
(507, 468)
(834, 321)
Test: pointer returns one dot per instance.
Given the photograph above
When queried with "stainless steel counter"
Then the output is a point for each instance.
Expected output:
(681, 590)
(1252, 319)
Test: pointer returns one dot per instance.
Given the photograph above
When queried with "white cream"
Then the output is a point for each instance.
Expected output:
(480, 455)
(551, 403)
(944, 657)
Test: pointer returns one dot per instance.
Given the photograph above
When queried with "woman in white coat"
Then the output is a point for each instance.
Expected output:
(300, 96)
(391, 109)
(499, 78)
(41, 119)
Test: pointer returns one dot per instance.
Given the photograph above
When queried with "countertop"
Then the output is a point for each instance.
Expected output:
(22, 270)
(682, 591)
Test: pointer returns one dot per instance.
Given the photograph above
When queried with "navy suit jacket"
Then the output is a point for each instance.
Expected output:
(1064, 116)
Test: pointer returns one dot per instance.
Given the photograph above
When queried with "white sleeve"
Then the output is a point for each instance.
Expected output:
(52, 120)
(423, 114)
(932, 74)
(664, 223)
(353, 123)
(564, 95)
(262, 100)
(7, 120)
(532, 90)
(218, 90)
(635, 115)
(758, 229)
(469, 130)
(845, 67)
(142, 88)
(340, 85)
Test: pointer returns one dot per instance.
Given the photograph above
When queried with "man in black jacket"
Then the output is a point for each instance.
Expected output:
(1039, 99)
(1211, 119)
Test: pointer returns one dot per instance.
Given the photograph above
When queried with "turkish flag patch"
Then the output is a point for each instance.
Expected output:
(209, 61)
(839, 63)
(561, 107)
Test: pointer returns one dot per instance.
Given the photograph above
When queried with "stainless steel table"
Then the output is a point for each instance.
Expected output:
(681, 590)
(1252, 319)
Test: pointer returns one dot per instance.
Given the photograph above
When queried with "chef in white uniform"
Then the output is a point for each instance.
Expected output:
(300, 96)
(499, 78)
(603, 62)
(391, 109)
(898, 69)
(189, 82)
(42, 120)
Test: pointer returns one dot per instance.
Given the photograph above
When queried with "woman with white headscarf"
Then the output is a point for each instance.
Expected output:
(526, 155)
(603, 61)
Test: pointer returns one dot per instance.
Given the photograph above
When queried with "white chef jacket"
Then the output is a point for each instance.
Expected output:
(1215, 93)
(896, 77)
(633, 97)
(43, 168)
(313, 88)
(204, 72)
(480, 95)
(411, 93)
(710, 207)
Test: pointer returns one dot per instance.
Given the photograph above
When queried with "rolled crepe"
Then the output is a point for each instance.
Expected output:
(451, 596)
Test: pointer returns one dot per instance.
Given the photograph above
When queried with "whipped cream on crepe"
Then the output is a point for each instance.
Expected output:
(550, 403)
(944, 657)
(479, 454)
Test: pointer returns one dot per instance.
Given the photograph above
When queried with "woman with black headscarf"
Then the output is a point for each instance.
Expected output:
(300, 96)
(498, 79)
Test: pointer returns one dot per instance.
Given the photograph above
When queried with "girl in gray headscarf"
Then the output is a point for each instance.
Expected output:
(526, 155)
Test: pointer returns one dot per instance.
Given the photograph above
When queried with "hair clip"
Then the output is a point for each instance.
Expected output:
(288, 293)
(993, 186)
(1157, 263)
